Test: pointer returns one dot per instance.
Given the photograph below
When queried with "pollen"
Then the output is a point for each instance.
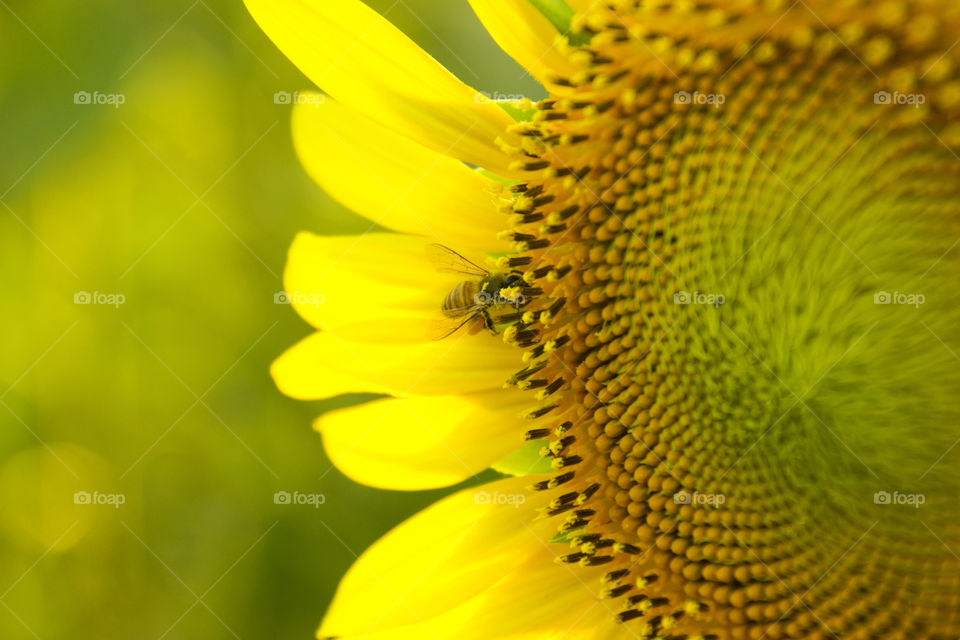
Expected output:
(738, 234)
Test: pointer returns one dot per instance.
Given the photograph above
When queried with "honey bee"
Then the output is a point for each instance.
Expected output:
(471, 301)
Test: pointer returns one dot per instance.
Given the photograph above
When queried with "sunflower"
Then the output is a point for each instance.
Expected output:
(710, 317)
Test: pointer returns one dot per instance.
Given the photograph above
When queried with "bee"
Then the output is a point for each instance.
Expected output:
(471, 301)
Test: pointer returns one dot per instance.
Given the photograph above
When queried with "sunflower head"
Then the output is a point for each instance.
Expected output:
(741, 218)
(720, 289)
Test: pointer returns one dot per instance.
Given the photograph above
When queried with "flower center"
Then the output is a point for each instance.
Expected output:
(738, 232)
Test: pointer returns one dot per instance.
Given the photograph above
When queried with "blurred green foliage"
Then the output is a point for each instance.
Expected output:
(183, 200)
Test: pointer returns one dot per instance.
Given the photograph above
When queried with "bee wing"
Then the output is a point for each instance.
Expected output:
(445, 326)
(446, 259)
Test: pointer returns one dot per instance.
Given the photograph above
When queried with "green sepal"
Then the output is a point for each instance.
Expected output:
(525, 461)
(560, 15)
(566, 536)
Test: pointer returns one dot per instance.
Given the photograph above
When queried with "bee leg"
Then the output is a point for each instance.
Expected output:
(488, 321)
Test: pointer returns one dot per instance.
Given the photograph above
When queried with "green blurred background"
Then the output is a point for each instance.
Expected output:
(183, 200)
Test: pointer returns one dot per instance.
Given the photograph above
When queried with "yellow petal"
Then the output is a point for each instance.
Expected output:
(472, 572)
(440, 558)
(362, 60)
(334, 281)
(395, 181)
(385, 356)
(424, 442)
(526, 35)
(535, 600)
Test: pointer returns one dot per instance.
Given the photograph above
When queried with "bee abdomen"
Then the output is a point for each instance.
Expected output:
(460, 299)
